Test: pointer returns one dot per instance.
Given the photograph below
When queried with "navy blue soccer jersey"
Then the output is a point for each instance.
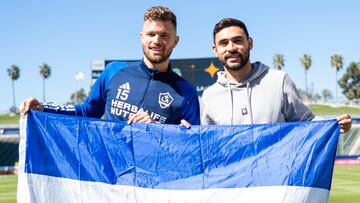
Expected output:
(122, 90)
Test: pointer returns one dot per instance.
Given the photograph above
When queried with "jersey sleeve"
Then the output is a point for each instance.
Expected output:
(94, 105)
(53, 107)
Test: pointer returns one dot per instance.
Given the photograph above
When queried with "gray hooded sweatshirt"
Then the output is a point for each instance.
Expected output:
(264, 96)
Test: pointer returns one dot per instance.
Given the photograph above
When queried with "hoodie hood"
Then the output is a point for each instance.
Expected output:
(257, 70)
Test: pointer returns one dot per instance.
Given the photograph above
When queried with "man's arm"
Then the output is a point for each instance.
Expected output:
(293, 107)
(93, 106)
(296, 110)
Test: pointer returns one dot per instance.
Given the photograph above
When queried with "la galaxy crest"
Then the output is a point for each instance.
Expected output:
(165, 99)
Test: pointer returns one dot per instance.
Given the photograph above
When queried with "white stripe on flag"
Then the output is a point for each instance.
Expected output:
(83, 191)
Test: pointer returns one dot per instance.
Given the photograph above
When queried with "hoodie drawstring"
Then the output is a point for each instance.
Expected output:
(232, 103)
(248, 91)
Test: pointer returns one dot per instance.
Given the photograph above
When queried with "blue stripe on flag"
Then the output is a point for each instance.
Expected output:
(172, 157)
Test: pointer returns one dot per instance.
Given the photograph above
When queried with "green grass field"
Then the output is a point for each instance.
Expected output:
(326, 110)
(345, 185)
(6, 119)
(8, 188)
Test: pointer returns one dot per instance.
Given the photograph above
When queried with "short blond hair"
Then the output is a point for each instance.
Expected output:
(160, 13)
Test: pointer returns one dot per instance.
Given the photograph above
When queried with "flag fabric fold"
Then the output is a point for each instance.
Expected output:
(76, 159)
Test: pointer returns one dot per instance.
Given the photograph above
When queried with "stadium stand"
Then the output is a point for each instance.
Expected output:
(9, 144)
(349, 143)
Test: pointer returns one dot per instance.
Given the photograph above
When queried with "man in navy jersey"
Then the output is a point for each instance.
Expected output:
(148, 91)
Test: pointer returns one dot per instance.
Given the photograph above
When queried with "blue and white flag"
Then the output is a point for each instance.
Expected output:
(75, 159)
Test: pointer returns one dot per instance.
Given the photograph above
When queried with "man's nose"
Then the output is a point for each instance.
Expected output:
(156, 38)
(231, 46)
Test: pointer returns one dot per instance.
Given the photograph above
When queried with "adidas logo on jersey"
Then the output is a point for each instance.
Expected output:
(125, 86)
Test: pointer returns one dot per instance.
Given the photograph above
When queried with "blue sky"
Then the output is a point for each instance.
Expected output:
(68, 35)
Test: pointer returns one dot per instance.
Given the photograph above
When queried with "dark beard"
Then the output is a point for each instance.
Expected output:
(157, 60)
(244, 60)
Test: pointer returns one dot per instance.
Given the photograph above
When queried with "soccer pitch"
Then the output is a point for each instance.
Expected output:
(8, 188)
(345, 185)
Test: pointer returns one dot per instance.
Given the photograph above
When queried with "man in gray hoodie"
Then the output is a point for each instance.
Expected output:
(248, 93)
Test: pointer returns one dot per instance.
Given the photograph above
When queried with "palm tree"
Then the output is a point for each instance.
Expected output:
(78, 97)
(306, 62)
(326, 95)
(337, 63)
(45, 72)
(14, 74)
(278, 61)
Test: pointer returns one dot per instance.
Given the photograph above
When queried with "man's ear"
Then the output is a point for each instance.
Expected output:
(250, 42)
(177, 39)
(214, 50)
(141, 36)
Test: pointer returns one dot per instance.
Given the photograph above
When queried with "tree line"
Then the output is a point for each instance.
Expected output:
(349, 82)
